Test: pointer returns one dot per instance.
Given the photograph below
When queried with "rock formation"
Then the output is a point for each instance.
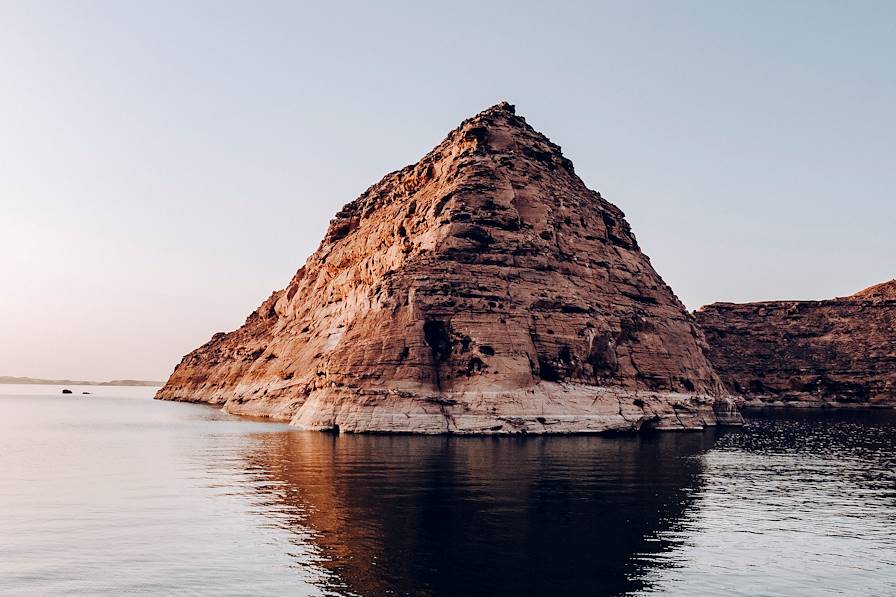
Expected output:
(484, 289)
(839, 352)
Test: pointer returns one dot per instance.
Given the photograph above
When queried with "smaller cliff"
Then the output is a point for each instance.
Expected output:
(839, 352)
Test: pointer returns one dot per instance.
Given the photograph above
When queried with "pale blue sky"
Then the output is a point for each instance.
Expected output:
(164, 166)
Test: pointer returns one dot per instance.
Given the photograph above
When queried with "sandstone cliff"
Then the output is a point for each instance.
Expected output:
(839, 352)
(484, 289)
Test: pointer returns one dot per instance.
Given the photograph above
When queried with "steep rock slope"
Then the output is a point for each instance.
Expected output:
(484, 289)
(838, 352)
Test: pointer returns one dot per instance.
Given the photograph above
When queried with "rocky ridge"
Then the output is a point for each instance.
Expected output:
(484, 289)
(833, 353)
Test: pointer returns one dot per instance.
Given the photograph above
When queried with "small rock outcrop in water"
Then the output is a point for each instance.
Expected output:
(838, 352)
(484, 289)
(66, 391)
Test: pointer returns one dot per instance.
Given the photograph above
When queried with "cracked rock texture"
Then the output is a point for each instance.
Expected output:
(484, 289)
(838, 352)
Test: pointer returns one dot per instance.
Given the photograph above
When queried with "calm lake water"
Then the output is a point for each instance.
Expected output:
(116, 493)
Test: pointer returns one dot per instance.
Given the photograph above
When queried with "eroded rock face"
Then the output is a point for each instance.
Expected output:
(839, 352)
(484, 289)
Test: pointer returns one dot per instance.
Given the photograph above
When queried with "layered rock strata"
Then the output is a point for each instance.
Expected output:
(484, 289)
(839, 352)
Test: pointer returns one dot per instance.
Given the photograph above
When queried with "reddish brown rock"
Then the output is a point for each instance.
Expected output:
(484, 289)
(839, 352)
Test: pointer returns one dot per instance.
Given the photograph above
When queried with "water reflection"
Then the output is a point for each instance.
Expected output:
(797, 503)
(119, 495)
(411, 515)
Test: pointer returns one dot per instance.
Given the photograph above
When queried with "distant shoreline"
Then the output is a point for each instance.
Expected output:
(70, 382)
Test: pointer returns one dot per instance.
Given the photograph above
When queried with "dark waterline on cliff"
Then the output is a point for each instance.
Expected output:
(117, 494)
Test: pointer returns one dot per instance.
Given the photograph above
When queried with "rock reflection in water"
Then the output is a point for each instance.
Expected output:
(459, 516)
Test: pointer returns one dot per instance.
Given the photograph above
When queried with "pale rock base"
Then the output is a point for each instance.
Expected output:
(547, 408)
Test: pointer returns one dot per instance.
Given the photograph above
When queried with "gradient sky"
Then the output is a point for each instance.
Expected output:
(164, 166)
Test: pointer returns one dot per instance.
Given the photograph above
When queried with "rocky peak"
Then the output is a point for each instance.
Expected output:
(479, 290)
